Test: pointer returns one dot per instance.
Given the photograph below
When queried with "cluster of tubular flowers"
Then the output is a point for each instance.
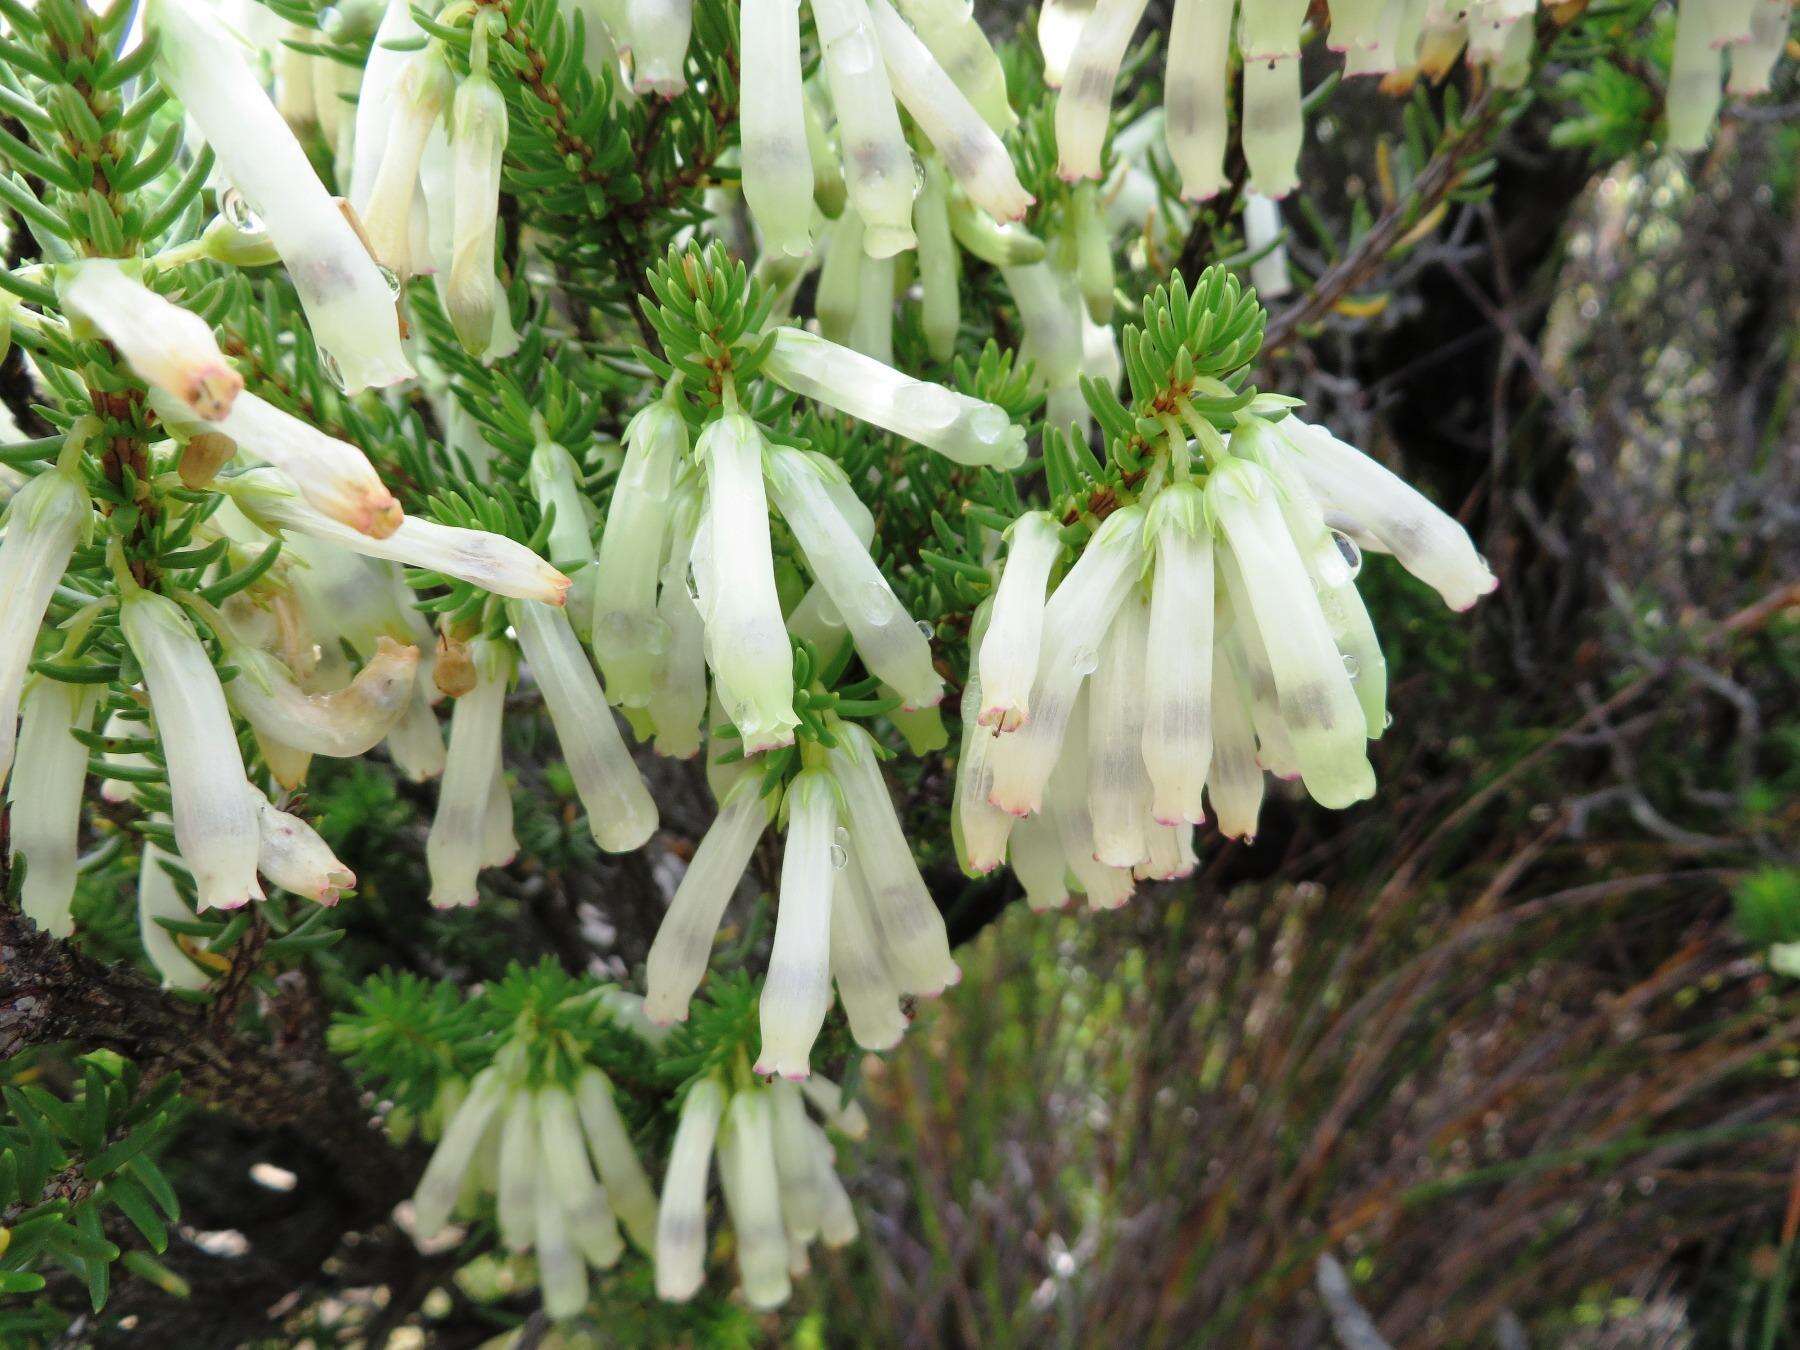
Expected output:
(1746, 35)
(1205, 634)
(852, 910)
(555, 1159)
(938, 66)
(776, 1171)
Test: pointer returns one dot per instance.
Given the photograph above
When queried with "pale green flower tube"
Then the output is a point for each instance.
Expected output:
(1317, 703)
(1118, 787)
(796, 993)
(631, 639)
(1093, 256)
(940, 265)
(1235, 616)
(1368, 501)
(478, 131)
(837, 1218)
(334, 476)
(490, 561)
(683, 944)
(890, 643)
(343, 723)
(777, 166)
(453, 848)
(520, 1181)
(837, 298)
(159, 899)
(1050, 307)
(348, 305)
(1171, 854)
(1396, 22)
(165, 345)
(746, 641)
(499, 845)
(1008, 658)
(1271, 29)
(1695, 75)
(1272, 129)
(753, 1198)
(616, 1161)
(829, 192)
(415, 104)
(796, 1164)
(620, 812)
(971, 149)
(1007, 245)
(215, 822)
(840, 1110)
(878, 165)
(43, 522)
(659, 30)
(912, 931)
(677, 704)
(388, 55)
(681, 1222)
(1177, 740)
(443, 1180)
(1354, 24)
(949, 29)
(555, 481)
(872, 327)
(958, 427)
(572, 1186)
(1066, 803)
(46, 801)
(1037, 860)
(291, 854)
(1077, 616)
(416, 742)
(865, 985)
(562, 1273)
(1753, 60)
(1084, 105)
(1059, 26)
(981, 828)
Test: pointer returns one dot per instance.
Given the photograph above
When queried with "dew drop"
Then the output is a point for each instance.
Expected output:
(1350, 551)
(840, 849)
(989, 424)
(239, 214)
(1249, 841)
(856, 54)
(333, 371)
(926, 630)
(1351, 668)
(1387, 721)
(932, 406)
(390, 278)
(1085, 660)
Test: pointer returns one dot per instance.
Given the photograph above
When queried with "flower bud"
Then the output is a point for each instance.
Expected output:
(958, 427)
(878, 165)
(43, 522)
(659, 31)
(796, 993)
(777, 166)
(753, 1199)
(343, 723)
(1177, 740)
(204, 454)
(165, 345)
(684, 940)
(158, 898)
(477, 148)
(348, 305)
(454, 847)
(293, 856)
(46, 802)
(1008, 657)
(215, 822)
(1272, 128)
(1084, 105)
(681, 1221)
(631, 640)
(957, 43)
(620, 812)
(940, 265)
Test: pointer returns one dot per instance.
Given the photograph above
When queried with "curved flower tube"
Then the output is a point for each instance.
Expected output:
(293, 856)
(334, 476)
(878, 166)
(165, 345)
(1084, 104)
(43, 522)
(1008, 658)
(631, 639)
(46, 805)
(796, 993)
(681, 1223)
(778, 168)
(454, 847)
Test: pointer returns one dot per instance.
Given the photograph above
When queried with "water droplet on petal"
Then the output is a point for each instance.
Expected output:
(926, 630)
(1349, 550)
(931, 406)
(333, 371)
(840, 857)
(1351, 668)
(390, 278)
(239, 215)
(1387, 721)
(1086, 660)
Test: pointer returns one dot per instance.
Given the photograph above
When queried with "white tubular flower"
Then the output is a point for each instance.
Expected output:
(1066, 802)
(334, 477)
(119, 790)
(1177, 741)
(414, 106)
(753, 1198)
(43, 522)
(166, 346)
(1008, 659)
(1084, 105)
(615, 1160)
(1118, 786)
(1078, 615)
(1037, 860)
(562, 1272)
(796, 993)
(948, 28)
(777, 166)
(292, 856)
(979, 828)
(158, 898)
(215, 821)
(681, 1222)
(971, 149)
(872, 326)
(958, 427)
(395, 39)
(573, 1189)
(1050, 312)
(890, 643)
(620, 812)
(865, 985)
(416, 742)
(1271, 29)
(746, 642)
(796, 1165)
(520, 1182)
(1195, 94)
(1695, 75)
(683, 944)
(46, 802)
(472, 296)
(1395, 21)
(878, 165)
(1272, 130)
(499, 845)
(348, 304)
(837, 1218)
(631, 640)
(1355, 24)
(343, 723)
(1171, 854)
(1317, 704)
(490, 561)
(838, 296)
(940, 264)
(1731, 20)
(1059, 27)
(556, 482)
(1753, 60)
(1235, 622)
(677, 703)
(443, 1180)
(912, 931)
(838, 1109)
(659, 32)
(453, 849)
(1262, 228)
(1367, 501)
